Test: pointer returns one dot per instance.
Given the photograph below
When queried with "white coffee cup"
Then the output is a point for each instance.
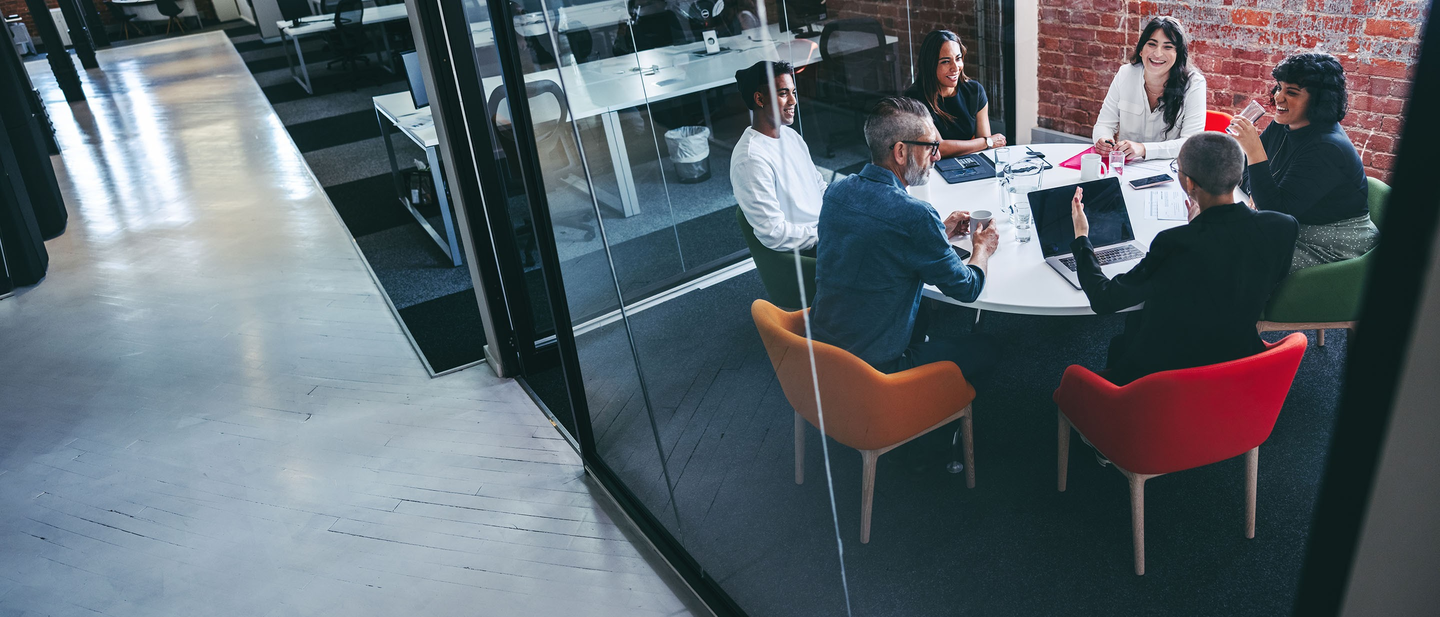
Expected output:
(979, 219)
(1089, 167)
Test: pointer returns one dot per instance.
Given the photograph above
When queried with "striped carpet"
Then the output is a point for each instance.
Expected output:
(336, 131)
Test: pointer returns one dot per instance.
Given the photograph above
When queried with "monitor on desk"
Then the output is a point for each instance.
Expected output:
(293, 10)
(797, 16)
(417, 79)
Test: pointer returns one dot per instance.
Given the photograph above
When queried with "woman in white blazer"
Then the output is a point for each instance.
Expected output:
(1156, 101)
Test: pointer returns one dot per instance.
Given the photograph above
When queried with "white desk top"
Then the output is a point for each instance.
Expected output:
(316, 24)
(417, 125)
(1018, 279)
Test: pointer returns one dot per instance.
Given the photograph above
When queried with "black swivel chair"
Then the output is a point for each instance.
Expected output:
(553, 138)
(858, 70)
(348, 38)
(170, 9)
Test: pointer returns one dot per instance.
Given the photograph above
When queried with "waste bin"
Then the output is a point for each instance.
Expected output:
(690, 152)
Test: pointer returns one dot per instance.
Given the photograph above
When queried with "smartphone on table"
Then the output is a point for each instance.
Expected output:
(1145, 183)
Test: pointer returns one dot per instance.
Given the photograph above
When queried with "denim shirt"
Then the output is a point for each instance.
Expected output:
(880, 244)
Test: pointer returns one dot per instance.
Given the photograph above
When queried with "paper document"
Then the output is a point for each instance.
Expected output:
(1167, 206)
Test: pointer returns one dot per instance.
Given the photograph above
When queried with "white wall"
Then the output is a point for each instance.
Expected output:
(1027, 69)
(1398, 558)
(227, 10)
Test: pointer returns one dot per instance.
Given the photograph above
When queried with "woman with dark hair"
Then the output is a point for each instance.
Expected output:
(957, 103)
(1156, 101)
(1305, 165)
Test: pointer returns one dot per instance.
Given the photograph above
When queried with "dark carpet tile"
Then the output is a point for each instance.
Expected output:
(282, 61)
(937, 547)
(448, 329)
(369, 205)
(328, 83)
(254, 45)
(335, 130)
(235, 31)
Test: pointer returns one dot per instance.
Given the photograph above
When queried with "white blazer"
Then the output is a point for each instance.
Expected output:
(1126, 114)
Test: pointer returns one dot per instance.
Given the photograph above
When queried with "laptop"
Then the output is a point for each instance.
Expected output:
(1110, 231)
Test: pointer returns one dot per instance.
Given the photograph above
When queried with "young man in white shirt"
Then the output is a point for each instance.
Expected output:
(775, 182)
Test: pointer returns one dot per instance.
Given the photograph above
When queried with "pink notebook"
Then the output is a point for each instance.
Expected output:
(1074, 161)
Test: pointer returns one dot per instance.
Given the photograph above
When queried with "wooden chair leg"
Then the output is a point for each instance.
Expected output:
(1320, 334)
(1252, 477)
(867, 492)
(967, 435)
(1062, 462)
(799, 449)
(1137, 518)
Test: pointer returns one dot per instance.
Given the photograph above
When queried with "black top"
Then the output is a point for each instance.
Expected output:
(1313, 174)
(1204, 286)
(969, 99)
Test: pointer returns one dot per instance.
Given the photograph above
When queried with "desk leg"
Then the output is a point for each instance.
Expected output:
(620, 158)
(300, 59)
(440, 195)
(385, 128)
(389, 62)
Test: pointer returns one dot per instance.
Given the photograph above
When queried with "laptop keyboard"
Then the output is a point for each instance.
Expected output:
(1107, 256)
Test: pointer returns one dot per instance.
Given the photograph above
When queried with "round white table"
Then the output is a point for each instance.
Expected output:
(1018, 280)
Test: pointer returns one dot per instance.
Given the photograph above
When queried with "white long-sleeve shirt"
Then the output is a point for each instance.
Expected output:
(778, 188)
(1126, 114)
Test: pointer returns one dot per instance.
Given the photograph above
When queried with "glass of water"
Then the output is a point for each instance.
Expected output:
(1002, 164)
(1117, 162)
(1022, 219)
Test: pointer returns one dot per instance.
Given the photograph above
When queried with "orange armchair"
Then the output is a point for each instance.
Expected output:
(864, 408)
(1177, 420)
(1217, 121)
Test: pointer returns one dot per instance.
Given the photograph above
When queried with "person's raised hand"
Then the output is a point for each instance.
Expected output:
(1077, 212)
(957, 225)
(1249, 138)
(986, 240)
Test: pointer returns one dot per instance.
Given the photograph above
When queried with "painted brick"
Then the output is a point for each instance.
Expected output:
(1389, 28)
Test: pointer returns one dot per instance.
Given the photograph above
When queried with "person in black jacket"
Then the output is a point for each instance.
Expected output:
(1204, 284)
(1304, 164)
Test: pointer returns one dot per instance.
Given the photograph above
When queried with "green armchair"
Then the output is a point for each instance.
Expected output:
(777, 269)
(1327, 296)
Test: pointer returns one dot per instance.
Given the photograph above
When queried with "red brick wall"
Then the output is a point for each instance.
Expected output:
(1236, 43)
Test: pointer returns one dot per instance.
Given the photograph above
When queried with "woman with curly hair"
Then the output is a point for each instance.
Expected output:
(1304, 164)
(1156, 101)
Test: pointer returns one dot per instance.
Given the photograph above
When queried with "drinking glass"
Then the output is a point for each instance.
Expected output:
(1252, 112)
(1117, 162)
(1022, 223)
(1002, 163)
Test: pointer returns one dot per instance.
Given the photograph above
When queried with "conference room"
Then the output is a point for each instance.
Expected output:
(620, 276)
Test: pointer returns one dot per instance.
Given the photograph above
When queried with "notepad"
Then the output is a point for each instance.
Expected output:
(1167, 206)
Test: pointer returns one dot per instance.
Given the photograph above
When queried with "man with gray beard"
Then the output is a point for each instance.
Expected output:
(881, 245)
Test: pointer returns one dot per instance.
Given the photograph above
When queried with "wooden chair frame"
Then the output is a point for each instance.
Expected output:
(870, 457)
(1137, 489)
(1318, 326)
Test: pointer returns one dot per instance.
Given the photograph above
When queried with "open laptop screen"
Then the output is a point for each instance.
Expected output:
(1104, 206)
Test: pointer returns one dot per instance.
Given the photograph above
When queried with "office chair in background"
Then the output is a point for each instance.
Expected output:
(348, 38)
(126, 20)
(172, 11)
(858, 70)
(555, 141)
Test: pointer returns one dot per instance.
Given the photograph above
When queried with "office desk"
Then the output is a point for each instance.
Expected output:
(317, 25)
(1018, 279)
(396, 112)
(606, 87)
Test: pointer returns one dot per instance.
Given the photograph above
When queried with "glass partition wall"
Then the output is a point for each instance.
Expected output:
(700, 402)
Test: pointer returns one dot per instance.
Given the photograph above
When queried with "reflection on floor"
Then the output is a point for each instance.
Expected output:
(207, 409)
(1011, 546)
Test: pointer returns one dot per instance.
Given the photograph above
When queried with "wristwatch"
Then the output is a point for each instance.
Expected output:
(989, 141)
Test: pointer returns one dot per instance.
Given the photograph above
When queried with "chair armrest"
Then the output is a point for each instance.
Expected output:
(1324, 293)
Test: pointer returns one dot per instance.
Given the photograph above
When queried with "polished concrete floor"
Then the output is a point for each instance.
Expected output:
(207, 408)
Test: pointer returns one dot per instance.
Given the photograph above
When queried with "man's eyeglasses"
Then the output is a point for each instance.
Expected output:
(934, 145)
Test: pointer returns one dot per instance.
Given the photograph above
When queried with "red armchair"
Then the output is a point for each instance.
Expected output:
(1177, 420)
(1217, 121)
